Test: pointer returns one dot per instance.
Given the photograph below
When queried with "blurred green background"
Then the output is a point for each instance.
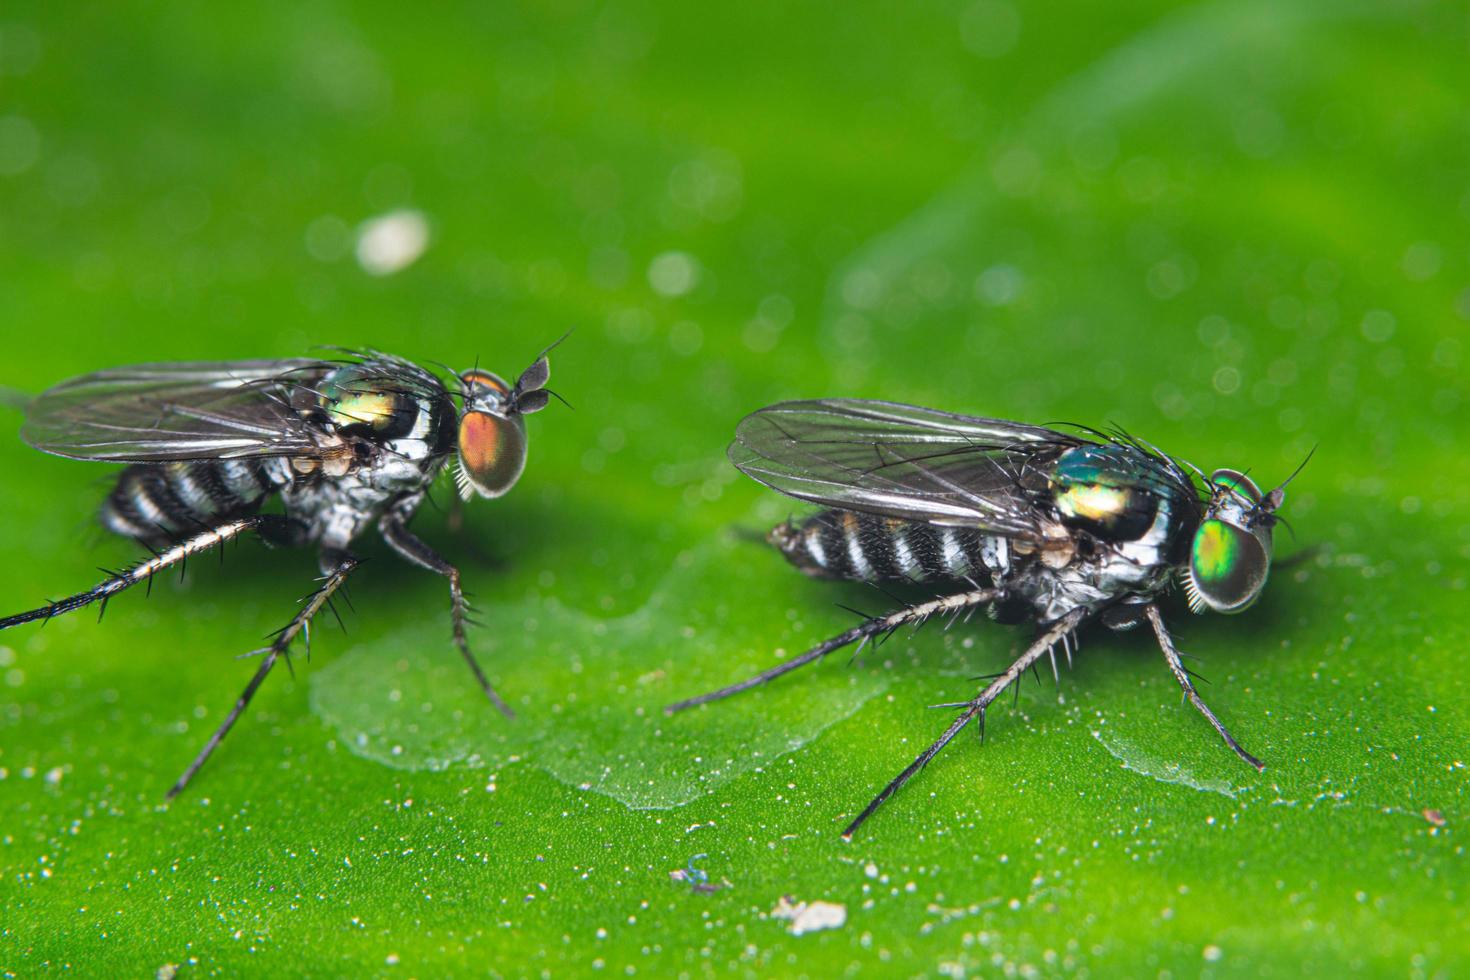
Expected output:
(1237, 228)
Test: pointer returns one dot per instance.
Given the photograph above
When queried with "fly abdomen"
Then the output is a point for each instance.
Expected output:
(851, 545)
(158, 501)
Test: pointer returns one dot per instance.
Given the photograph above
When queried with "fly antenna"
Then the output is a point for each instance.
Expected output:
(554, 344)
(559, 398)
(530, 393)
(1271, 501)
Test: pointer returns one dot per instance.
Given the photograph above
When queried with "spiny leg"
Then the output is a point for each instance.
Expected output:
(1171, 655)
(860, 633)
(144, 570)
(973, 709)
(413, 548)
(310, 607)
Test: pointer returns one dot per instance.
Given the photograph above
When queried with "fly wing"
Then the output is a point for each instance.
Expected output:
(902, 461)
(163, 412)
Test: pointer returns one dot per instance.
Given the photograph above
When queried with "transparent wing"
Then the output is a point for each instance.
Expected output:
(902, 461)
(162, 412)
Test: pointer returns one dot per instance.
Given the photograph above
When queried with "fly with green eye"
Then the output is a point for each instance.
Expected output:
(1031, 524)
(342, 445)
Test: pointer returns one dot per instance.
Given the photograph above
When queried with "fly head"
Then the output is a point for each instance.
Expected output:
(492, 427)
(1230, 557)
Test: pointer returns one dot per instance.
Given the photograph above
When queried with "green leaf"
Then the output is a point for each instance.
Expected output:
(1237, 229)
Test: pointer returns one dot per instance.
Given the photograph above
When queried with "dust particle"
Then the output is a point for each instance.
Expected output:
(804, 917)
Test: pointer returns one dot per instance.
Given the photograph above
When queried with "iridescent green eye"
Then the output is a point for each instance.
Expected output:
(1228, 566)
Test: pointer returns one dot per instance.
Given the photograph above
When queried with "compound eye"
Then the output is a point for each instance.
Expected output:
(485, 392)
(492, 453)
(1228, 566)
(487, 380)
(1238, 482)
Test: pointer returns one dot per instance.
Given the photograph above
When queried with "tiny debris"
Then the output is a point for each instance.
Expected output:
(167, 972)
(392, 242)
(807, 917)
(1435, 817)
(698, 878)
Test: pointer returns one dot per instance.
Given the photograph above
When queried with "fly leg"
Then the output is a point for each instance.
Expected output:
(414, 549)
(1171, 655)
(858, 634)
(972, 710)
(339, 566)
(144, 570)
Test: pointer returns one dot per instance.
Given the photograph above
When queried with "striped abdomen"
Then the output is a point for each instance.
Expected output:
(851, 545)
(161, 501)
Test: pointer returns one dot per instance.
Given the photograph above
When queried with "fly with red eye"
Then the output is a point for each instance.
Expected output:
(492, 429)
(343, 446)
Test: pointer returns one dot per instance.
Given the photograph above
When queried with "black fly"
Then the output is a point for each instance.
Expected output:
(1030, 523)
(346, 445)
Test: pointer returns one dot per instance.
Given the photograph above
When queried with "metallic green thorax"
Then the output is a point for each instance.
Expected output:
(353, 397)
(1105, 490)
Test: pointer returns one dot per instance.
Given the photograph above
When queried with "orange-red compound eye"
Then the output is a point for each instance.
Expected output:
(492, 453)
(487, 379)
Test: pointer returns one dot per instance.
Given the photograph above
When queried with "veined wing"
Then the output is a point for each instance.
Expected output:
(163, 412)
(902, 461)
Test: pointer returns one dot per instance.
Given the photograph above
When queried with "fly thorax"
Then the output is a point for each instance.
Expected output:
(1100, 490)
(363, 402)
(358, 401)
(1147, 558)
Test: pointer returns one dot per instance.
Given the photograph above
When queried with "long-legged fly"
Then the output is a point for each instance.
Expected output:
(1030, 523)
(344, 445)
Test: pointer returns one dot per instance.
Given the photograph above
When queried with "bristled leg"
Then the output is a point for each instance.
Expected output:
(1176, 666)
(861, 633)
(341, 566)
(974, 709)
(144, 570)
(414, 549)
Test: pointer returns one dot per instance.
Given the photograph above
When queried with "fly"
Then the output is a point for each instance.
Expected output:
(1029, 523)
(345, 445)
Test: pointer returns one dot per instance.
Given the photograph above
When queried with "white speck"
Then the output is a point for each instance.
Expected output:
(1212, 953)
(807, 917)
(391, 959)
(392, 242)
(871, 870)
(673, 273)
(53, 776)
